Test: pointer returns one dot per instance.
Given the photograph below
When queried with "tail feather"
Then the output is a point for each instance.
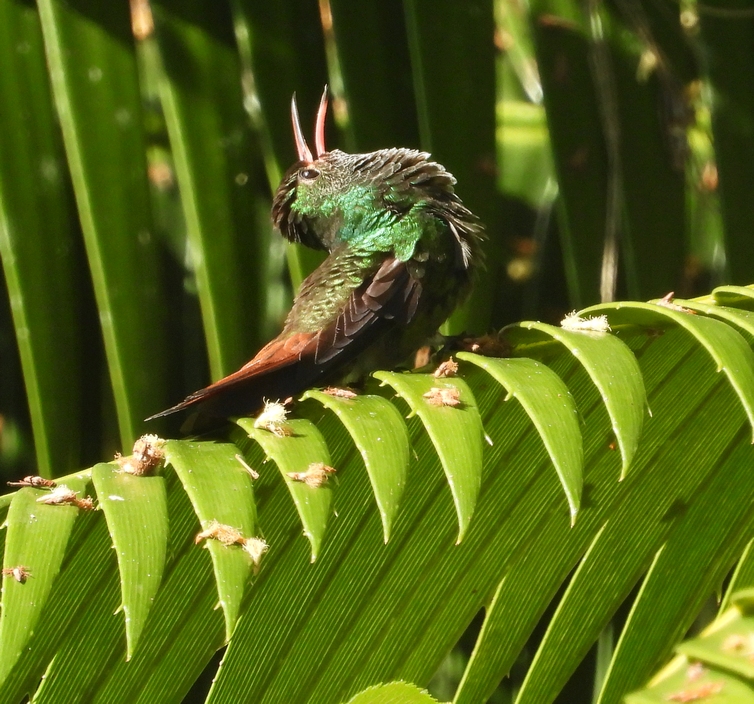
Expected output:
(282, 368)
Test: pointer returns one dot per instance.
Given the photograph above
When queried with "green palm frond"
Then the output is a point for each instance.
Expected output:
(333, 608)
(590, 487)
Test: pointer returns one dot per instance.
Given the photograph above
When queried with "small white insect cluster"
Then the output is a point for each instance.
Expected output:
(147, 455)
(443, 396)
(446, 369)
(228, 535)
(273, 419)
(61, 495)
(575, 323)
(315, 476)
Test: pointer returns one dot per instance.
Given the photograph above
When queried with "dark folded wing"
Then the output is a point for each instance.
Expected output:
(289, 365)
(388, 297)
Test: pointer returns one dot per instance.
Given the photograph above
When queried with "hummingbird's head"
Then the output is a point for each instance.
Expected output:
(304, 182)
(330, 196)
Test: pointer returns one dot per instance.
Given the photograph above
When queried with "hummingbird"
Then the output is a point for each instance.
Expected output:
(402, 252)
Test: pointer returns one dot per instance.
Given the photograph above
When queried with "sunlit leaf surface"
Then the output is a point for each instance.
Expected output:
(137, 516)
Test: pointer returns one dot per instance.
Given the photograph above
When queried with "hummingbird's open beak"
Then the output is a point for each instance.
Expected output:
(304, 153)
(319, 131)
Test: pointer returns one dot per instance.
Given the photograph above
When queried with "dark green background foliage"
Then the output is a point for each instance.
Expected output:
(608, 145)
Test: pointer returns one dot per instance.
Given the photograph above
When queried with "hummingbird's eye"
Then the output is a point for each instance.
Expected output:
(309, 174)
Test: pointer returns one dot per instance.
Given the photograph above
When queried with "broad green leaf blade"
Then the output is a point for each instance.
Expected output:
(137, 518)
(627, 544)
(456, 433)
(524, 145)
(36, 542)
(183, 631)
(553, 551)
(365, 581)
(92, 62)
(38, 242)
(95, 638)
(374, 613)
(730, 71)
(393, 693)
(295, 453)
(185, 627)
(552, 409)
(271, 77)
(560, 32)
(288, 576)
(449, 41)
(88, 573)
(421, 631)
(219, 487)
(613, 369)
(739, 296)
(277, 75)
(381, 436)
(650, 157)
(726, 346)
(685, 572)
(181, 635)
(178, 644)
(182, 661)
(372, 47)
(212, 147)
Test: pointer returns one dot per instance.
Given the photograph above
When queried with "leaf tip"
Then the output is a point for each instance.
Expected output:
(462, 527)
(385, 532)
